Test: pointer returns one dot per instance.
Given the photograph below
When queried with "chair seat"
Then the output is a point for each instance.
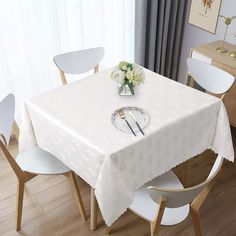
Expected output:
(38, 161)
(145, 207)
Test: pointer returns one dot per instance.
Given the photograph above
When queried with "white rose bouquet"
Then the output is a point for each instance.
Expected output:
(128, 74)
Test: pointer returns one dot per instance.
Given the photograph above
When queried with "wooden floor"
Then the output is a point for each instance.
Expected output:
(50, 208)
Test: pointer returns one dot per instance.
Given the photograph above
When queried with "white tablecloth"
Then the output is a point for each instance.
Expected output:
(73, 123)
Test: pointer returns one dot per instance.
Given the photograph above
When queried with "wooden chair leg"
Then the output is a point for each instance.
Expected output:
(196, 221)
(16, 131)
(155, 225)
(94, 211)
(187, 79)
(192, 82)
(152, 227)
(107, 230)
(96, 69)
(78, 195)
(63, 77)
(19, 204)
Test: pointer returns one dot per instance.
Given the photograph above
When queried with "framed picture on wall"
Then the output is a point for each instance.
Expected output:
(204, 14)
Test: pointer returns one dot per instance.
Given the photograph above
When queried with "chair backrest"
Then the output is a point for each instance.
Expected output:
(180, 197)
(79, 62)
(209, 77)
(7, 111)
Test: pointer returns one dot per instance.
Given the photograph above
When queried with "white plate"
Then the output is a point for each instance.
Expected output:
(140, 115)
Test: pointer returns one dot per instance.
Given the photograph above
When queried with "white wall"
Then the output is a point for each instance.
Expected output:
(194, 36)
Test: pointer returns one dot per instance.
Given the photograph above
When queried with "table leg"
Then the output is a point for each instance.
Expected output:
(94, 211)
(186, 180)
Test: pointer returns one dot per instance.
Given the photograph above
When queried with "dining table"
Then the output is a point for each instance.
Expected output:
(74, 123)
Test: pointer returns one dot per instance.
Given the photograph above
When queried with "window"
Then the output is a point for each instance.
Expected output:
(32, 32)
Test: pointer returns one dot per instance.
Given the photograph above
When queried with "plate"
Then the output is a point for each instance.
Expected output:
(140, 115)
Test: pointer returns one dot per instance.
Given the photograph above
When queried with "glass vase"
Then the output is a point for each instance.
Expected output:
(126, 89)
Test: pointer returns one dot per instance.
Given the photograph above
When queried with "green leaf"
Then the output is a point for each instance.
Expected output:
(123, 63)
(122, 87)
(130, 66)
(131, 87)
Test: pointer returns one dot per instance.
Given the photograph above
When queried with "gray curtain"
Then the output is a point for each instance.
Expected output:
(158, 34)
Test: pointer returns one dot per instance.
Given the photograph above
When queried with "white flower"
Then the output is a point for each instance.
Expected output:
(124, 68)
(138, 74)
(129, 75)
(127, 71)
(118, 75)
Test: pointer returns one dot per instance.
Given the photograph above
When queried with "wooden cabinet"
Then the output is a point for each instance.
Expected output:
(207, 53)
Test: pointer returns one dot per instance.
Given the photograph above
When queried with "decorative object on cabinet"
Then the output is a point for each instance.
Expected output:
(228, 21)
(208, 54)
(233, 54)
(204, 14)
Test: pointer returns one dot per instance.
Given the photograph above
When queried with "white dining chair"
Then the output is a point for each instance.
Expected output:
(31, 163)
(164, 200)
(79, 62)
(213, 80)
(209, 77)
